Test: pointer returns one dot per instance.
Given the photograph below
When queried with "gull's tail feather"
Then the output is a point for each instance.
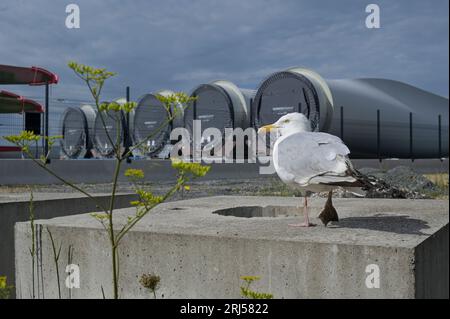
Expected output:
(373, 186)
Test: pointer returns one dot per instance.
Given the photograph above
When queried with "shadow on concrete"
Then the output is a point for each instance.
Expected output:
(388, 223)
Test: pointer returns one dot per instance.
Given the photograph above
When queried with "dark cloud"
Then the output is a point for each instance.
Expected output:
(178, 44)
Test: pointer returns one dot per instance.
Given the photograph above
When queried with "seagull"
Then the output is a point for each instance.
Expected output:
(312, 162)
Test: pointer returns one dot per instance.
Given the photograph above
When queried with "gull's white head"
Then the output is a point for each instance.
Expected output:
(289, 124)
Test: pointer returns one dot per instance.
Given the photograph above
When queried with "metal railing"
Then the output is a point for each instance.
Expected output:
(11, 124)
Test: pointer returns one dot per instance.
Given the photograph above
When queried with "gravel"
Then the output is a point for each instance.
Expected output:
(403, 178)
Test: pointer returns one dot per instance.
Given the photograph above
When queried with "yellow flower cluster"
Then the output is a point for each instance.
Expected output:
(250, 279)
(133, 173)
(180, 98)
(195, 169)
(126, 107)
(147, 199)
(90, 73)
(2, 282)
(99, 217)
(24, 136)
(248, 293)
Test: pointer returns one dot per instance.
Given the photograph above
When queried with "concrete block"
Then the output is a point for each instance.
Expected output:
(199, 253)
(15, 208)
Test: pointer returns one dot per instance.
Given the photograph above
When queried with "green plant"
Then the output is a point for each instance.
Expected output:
(32, 250)
(56, 254)
(150, 282)
(250, 294)
(95, 80)
(440, 181)
(70, 261)
(5, 290)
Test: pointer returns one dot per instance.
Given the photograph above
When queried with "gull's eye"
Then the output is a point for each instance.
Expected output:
(286, 121)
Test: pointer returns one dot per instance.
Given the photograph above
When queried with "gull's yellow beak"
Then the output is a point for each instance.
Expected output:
(267, 128)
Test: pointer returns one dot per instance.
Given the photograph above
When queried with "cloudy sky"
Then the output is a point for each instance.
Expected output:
(178, 44)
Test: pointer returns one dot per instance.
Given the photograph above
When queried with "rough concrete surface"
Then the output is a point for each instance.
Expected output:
(14, 207)
(200, 254)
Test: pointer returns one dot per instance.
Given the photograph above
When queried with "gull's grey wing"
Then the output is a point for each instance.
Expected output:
(309, 157)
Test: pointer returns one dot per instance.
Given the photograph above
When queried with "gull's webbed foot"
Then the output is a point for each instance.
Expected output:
(329, 213)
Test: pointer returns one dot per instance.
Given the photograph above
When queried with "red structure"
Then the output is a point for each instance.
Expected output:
(31, 76)
(13, 103)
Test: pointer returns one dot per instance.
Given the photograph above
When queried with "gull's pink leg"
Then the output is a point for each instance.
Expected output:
(306, 223)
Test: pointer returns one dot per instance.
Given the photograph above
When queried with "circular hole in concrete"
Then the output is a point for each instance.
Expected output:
(260, 211)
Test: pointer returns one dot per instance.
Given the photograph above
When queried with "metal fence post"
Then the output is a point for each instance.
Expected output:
(194, 109)
(251, 113)
(128, 117)
(127, 132)
(46, 118)
(379, 136)
(440, 136)
(42, 129)
(411, 149)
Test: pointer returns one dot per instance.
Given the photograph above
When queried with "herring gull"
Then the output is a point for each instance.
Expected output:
(312, 162)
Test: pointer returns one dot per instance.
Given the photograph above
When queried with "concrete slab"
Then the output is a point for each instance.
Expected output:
(201, 254)
(14, 207)
(43, 196)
